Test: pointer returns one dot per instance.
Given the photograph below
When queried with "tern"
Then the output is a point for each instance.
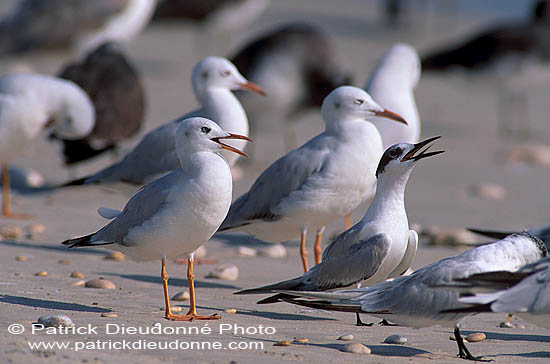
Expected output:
(30, 103)
(525, 292)
(418, 300)
(378, 247)
(326, 178)
(212, 79)
(176, 214)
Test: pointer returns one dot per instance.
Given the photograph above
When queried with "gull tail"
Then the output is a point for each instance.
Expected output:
(84, 241)
(290, 285)
(321, 305)
(476, 308)
(492, 233)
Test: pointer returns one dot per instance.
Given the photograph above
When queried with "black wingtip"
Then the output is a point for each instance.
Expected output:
(82, 242)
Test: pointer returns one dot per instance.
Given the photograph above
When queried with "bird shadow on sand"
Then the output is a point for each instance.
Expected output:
(59, 247)
(533, 354)
(172, 282)
(40, 303)
(381, 350)
(282, 316)
(237, 239)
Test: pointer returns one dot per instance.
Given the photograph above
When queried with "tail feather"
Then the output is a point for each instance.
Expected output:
(476, 308)
(289, 285)
(83, 241)
(321, 305)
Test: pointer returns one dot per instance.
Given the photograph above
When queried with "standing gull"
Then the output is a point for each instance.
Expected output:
(323, 180)
(115, 88)
(177, 213)
(418, 300)
(392, 85)
(213, 78)
(30, 103)
(378, 247)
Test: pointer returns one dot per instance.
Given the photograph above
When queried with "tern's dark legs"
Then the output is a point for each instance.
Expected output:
(463, 351)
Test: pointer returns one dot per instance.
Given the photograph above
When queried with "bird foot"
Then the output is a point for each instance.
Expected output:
(361, 323)
(191, 317)
(386, 323)
(469, 356)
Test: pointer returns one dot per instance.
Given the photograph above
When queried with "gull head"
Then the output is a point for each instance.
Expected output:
(348, 102)
(218, 72)
(203, 135)
(400, 158)
(75, 116)
(404, 62)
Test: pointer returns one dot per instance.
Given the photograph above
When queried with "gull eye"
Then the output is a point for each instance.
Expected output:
(205, 129)
(359, 101)
(225, 73)
(205, 75)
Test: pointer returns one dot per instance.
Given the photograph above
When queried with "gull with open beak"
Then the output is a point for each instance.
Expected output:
(321, 181)
(378, 247)
(213, 78)
(174, 215)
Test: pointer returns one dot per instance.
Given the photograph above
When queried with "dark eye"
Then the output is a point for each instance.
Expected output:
(225, 73)
(205, 75)
(395, 152)
(359, 101)
(205, 129)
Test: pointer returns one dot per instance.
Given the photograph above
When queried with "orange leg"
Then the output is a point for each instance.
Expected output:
(192, 314)
(317, 251)
(303, 251)
(6, 210)
(347, 221)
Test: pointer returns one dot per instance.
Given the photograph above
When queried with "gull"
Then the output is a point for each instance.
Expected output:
(118, 95)
(177, 213)
(392, 85)
(418, 300)
(212, 79)
(525, 292)
(323, 180)
(84, 24)
(30, 103)
(378, 247)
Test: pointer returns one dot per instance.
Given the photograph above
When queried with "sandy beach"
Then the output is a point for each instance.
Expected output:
(462, 109)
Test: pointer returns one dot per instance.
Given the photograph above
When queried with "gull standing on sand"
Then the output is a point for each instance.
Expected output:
(378, 247)
(177, 213)
(30, 103)
(213, 78)
(392, 85)
(418, 300)
(39, 24)
(525, 293)
(319, 182)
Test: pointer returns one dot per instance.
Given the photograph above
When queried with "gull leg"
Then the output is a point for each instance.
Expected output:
(317, 251)
(303, 251)
(347, 221)
(361, 323)
(6, 209)
(192, 314)
(463, 351)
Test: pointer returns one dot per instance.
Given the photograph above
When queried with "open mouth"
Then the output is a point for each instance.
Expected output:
(230, 148)
(422, 153)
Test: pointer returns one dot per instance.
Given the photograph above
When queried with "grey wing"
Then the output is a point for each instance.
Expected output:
(140, 208)
(360, 262)
(408, 257)
(38, 24)
(343, 242)
(154, 155)
(280, 179)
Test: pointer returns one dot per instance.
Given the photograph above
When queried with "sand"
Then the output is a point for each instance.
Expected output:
(462, 109)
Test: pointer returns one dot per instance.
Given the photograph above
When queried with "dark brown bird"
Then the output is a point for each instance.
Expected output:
(114, 86)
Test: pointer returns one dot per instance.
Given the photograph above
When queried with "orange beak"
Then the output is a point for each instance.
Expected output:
(228, 147)
(391, 115)
(250, 86)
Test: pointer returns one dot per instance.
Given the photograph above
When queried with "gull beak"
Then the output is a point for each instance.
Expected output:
(390, 115)
(228, 147)
(411, 155)
(250, 86)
